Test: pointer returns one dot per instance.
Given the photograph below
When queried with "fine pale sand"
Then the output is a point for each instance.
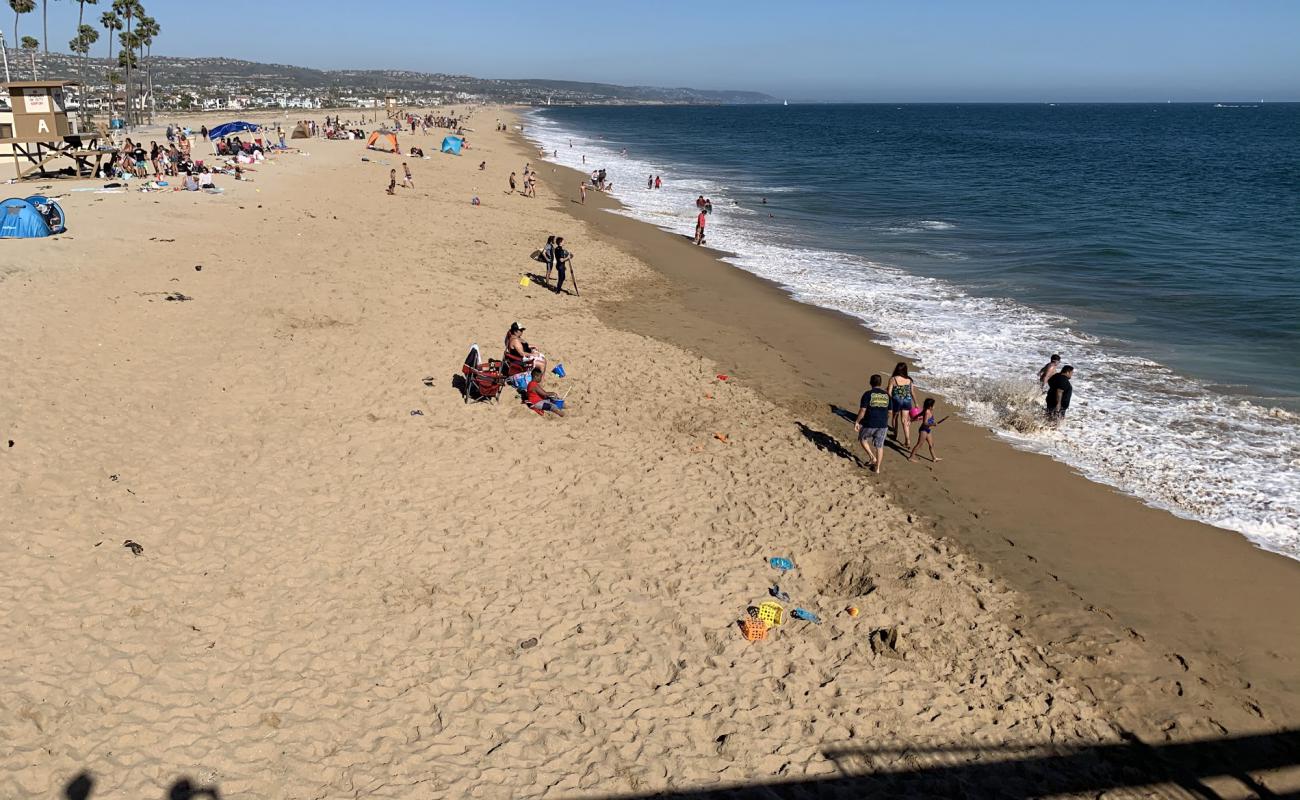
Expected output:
(339, 597)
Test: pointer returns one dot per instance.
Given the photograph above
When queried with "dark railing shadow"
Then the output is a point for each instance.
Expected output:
(1028, 772)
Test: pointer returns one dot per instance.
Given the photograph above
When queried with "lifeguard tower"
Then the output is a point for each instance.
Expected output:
(395, 111)
(37, 132)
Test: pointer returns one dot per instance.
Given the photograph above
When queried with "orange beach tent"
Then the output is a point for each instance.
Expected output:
(387, 142)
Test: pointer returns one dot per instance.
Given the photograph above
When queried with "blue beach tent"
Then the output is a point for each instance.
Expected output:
(238, 126)
(31, 218)
(451, 144)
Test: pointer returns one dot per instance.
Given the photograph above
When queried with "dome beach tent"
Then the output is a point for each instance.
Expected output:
(238, 126)
(451, 144)
(385, 142)
(30, 218)
(300, 131)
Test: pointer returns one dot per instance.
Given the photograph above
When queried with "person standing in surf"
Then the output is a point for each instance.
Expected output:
(1059, 391)
(900, 403)
(699, 227)
(1049, 369)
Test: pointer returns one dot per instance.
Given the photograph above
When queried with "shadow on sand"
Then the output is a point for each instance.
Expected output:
(82, 787)
(1207, 769)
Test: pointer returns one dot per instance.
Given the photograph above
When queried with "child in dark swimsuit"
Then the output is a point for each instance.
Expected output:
(926, 434)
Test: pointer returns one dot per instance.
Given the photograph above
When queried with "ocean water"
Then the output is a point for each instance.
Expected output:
(1155, 247)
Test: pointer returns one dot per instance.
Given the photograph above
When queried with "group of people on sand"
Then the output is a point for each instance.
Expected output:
(430, 121)
(135, 161)
(526, 371)
(887, 407)
(408, 182)
(596, 181)
(530, 182)
(170, 161)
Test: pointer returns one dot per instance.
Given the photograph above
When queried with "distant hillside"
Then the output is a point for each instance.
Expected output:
(211, 76)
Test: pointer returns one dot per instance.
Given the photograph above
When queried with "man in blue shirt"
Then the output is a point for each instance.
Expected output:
(874, 407)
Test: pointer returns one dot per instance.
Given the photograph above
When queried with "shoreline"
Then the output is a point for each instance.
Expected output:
(1207, 595)
(259, 542)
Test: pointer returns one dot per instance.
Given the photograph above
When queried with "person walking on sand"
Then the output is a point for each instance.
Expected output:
(926, 433)
(409, 183)
(900, 402)
(873, 422)
(1059, 391)
(1049, 369)
(699, 227)
(392, 181)
(582, 192)
(512, 184)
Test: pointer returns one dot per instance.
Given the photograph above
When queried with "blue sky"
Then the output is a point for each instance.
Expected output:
(892, 50)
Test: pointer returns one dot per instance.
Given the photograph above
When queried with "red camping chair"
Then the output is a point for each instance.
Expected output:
(482, 382)
(513, 365)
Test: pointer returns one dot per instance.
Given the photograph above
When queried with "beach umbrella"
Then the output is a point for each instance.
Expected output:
(238, 126)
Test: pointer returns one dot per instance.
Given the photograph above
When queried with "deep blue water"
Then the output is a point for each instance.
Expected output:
(1175, 228)
(1156, 247)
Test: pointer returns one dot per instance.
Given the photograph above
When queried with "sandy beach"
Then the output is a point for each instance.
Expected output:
(350, 583)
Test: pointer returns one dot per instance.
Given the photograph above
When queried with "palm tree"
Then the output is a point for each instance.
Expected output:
(80, 44)
(111, 22)
(131, 10)
(127, 60)
(31, 46)
(84, 47)
(147, 29)
(21, 7)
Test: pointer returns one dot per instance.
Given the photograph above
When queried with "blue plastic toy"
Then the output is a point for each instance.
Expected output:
(806, 616)
(783, 564)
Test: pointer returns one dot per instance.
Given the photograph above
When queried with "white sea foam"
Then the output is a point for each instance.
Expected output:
(1134, 424)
